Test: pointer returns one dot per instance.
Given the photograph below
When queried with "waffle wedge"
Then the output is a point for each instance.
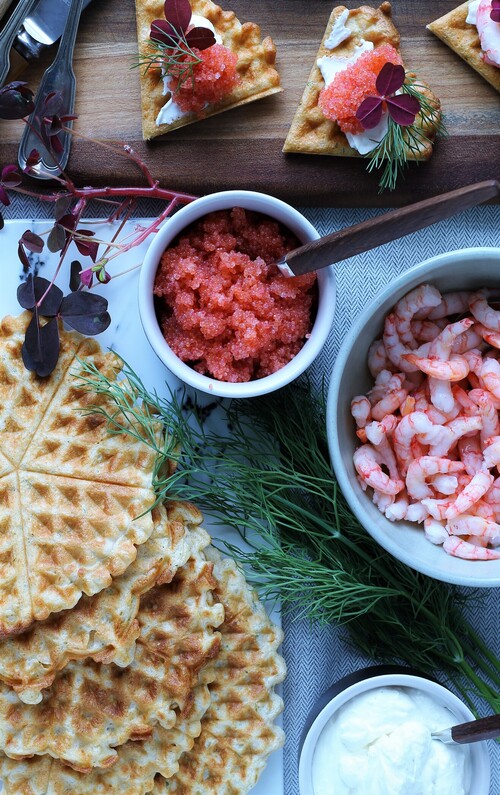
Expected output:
(91, 707)
(103, 627)
(311, 132)
(461, 37)
(75, 498)
(237, 731)
(255, 67)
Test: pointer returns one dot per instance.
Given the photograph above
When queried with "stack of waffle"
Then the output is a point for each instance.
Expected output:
(133, 658)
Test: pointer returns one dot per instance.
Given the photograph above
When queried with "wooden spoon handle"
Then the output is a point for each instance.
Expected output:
(475, 730)
(384, 228)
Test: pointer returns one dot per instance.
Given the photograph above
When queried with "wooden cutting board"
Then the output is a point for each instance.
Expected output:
(242, 148)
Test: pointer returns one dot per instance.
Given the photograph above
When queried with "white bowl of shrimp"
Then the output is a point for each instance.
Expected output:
(414, 417)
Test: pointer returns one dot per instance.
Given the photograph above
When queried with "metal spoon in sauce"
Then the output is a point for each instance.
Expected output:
(384, 228)
(471, 732)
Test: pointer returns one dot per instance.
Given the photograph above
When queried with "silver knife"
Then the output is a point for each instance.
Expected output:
(42, 27)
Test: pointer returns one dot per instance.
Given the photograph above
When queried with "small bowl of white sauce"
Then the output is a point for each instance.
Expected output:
(370, 734)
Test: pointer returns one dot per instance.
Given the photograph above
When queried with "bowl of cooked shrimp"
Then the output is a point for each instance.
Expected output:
(414, 417)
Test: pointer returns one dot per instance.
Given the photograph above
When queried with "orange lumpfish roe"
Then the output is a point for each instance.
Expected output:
(212, 78)
(223, 306)
(341, 99)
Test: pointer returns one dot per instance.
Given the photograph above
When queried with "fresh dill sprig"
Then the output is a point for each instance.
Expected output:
(270, 478)
(396, 147)
(176, 61)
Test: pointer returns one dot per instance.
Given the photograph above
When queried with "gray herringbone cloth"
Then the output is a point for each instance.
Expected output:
(317, 657)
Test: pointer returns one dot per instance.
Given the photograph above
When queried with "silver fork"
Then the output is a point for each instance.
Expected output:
(60, 78)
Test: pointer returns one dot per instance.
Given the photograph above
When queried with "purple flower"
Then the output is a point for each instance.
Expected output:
(402, 108)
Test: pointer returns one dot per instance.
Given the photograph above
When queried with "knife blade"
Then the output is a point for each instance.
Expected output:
(42, 27)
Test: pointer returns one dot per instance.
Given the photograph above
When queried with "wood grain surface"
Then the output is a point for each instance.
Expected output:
(242, 148)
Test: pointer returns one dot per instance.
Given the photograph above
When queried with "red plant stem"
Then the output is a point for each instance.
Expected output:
(78, 213)
(153, 192)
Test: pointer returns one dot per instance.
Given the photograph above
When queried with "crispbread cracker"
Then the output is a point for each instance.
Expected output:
(463, 38)
(103, 627)
(256, 58)
(311, 132)
(91, 708)
(77, 500)
(237, 731)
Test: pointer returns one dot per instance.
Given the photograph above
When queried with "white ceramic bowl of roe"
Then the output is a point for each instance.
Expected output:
(370, 735)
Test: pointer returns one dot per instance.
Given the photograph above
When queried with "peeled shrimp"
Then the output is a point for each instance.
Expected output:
(471, 494)
(361, 410)
(424, 297)
(418, 425)
(489, 336)
(367, 462)
(469, 448)
(452, 432)
(483, 312)
(435, 531)
(463, 549)
(454, 303)
(470, 525)
(487, 29)
(490, 376)
(396, 349)
(431, 422)
(425, 467)
(377, 358)
(454, 370)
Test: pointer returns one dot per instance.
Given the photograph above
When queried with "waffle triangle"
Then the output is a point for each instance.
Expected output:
(463, 38)
(311, 132)
(256, 58)
(103, 627)
(69, 533)
(238, 719)
(91, 708)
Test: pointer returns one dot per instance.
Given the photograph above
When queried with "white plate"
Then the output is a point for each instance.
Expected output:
(126, 337)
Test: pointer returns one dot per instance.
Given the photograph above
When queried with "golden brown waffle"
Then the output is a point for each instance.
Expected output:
(133, 773)
(91, 708)
(103, 627)
(256, 59)
(238, 731)
(463, 39)
(76, 502)
(311, 132)
(238, 722)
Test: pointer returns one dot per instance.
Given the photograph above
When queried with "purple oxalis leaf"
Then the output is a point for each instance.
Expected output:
(86, 312)
(32, 242)
(32, 291)
(495, 10)
(178, 13)
(390, 79)
(369, 112)
(40, 349)
(4, 196)
(201, 38)
(56, 238)
(403, 108)
(16, 101)
(163, 32)
(87, 248)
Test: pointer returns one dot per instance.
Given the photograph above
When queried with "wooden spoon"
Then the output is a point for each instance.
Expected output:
(471, 732)
(390, 226)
